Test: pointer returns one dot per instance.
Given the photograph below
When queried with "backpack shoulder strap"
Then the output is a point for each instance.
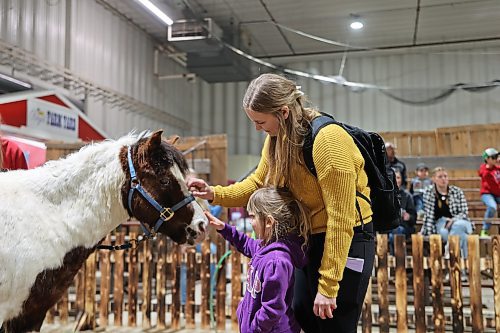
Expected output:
(316, 125)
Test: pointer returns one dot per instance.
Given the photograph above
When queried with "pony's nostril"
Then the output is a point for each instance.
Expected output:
(191, 232)
(201, 226)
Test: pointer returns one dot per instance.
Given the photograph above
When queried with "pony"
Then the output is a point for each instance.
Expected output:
(53, 217)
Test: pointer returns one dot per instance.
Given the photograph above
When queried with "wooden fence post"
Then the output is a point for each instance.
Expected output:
(161, 278)
(401, 287)
(80, 290)
(456, 284)
(221, 286)
(63, 308)
(417, 247)
(496, 277)
(105, 268)
(476, 303)
(190, 286)
(118, 281)
(437, 282)
(205, 276)
(147, 272)
(176, 302)
(382, 281)
(133, 282)
(235, 286)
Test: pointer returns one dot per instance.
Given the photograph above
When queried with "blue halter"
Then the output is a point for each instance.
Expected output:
(165, 213)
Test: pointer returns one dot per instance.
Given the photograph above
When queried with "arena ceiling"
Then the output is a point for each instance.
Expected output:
(271, 28)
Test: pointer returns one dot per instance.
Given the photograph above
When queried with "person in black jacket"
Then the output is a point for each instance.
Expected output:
(395, 162)
(408, 214)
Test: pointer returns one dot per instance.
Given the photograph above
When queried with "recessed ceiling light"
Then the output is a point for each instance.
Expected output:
(157, 11)
(356, 25)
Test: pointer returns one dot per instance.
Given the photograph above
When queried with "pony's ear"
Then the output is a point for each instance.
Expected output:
(155, 139)
(173, 139)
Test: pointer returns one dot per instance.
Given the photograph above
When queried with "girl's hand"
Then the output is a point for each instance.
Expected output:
(199, 188)
(214, 222)
(324, 306)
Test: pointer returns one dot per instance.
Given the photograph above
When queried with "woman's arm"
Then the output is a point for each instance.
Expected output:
(334, 154)
(237, 195)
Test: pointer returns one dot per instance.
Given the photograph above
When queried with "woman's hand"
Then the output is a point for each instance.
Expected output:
(214, 222)
(200, 188)
(324, 306)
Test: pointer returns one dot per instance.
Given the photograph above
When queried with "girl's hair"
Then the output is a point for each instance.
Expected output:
(438, 169)
(288, 214)
(269, 93)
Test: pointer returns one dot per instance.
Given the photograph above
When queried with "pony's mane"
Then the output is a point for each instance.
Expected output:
(92, 149)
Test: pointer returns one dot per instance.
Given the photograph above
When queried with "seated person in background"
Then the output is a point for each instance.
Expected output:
(408, 214)
(394, 162)
(445, 210)
(489, 172)
(417, 186)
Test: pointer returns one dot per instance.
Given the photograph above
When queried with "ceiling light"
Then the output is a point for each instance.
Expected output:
(155, 10)
(356, 22)
(356, 25)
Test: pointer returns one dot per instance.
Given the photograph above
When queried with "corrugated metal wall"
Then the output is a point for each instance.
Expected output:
(102, 47)
(217, 108)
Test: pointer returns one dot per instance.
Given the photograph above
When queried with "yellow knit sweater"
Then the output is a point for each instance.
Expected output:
(330, 197)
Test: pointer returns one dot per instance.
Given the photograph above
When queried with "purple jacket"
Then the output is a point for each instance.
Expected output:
(267, 304)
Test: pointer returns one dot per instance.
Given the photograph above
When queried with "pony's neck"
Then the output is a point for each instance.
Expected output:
(84, 189)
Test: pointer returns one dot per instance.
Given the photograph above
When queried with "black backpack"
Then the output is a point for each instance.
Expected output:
(384, 195)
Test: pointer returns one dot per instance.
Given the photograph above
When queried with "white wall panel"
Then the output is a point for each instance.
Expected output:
(37, 26)
(101, 47)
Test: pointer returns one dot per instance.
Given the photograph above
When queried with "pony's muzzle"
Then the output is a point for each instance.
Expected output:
(196, 232)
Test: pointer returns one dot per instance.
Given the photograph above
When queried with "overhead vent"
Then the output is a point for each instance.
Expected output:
(206, 55)
(195, 36)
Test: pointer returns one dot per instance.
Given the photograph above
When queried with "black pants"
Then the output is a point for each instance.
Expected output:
(352, 290)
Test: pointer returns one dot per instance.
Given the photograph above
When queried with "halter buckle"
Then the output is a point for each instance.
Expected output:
(166, 214)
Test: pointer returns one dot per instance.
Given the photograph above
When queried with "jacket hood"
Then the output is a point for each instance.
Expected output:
(291, 244)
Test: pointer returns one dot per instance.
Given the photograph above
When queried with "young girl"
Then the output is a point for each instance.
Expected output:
(281, 224)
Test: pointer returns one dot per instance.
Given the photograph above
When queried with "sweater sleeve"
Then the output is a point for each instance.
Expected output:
(237, 195)
(240, 241)
(277, 278)
(334, 155)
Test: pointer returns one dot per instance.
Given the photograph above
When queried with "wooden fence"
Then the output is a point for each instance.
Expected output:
(446, 141)
(410, 290)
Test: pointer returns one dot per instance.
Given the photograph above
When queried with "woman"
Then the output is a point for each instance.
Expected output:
(328, 296)
(445, 210)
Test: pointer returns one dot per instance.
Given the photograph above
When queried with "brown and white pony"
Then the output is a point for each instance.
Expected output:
(52, 217)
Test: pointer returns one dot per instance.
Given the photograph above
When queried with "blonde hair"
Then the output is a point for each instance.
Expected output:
(438, 169)
(269, 93)
(288, 214)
